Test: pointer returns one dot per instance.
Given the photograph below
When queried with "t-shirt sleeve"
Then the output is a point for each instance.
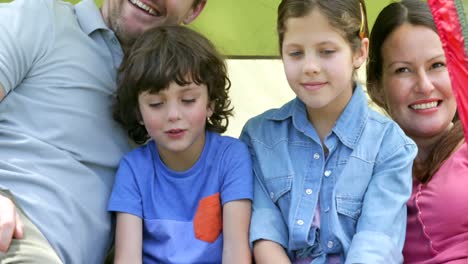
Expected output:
(126, 195)
(26, 31)
(238, 174)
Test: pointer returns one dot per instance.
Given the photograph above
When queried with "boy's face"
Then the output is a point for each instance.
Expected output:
(129, 18)
(176, 119)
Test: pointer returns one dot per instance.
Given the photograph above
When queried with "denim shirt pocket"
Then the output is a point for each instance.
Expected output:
(279, 189)
(349, 210)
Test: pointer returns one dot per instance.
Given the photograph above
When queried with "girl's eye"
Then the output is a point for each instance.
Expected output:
(188, 101)
(294, 54)
(327, 51)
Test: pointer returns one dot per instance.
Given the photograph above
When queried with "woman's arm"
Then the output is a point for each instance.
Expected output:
(128, 239)
(266, 251)
(236, 222)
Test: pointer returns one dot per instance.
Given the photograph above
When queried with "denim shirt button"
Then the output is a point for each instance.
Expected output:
(309, 191)
(330, 244)
(272, 195)
(300, 222)
(316, 156)
(327, 173)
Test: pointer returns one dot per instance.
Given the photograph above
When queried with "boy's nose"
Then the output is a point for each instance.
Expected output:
(173, 112)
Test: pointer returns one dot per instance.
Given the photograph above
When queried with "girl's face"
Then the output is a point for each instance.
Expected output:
(176, 118)
(319, 63)
(416, 82)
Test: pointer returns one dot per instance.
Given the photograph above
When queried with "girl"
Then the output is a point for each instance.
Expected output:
(332, 177)
(412, 84)
(184, 197)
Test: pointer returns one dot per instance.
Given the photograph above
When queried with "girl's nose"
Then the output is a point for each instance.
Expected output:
(311, 65)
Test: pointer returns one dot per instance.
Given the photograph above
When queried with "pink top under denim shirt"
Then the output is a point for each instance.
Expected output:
(437, 230)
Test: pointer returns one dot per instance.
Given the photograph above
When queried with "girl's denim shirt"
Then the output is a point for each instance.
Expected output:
(362, 185)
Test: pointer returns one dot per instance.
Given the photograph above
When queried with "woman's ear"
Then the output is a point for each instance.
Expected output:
(360, 56)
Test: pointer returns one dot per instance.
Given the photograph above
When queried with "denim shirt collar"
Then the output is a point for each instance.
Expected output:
(89, 16)
(349, 126)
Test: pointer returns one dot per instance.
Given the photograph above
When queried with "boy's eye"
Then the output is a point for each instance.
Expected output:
(188, 101)
(156, 104)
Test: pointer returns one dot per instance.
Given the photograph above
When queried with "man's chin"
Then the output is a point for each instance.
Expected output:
(127, 38)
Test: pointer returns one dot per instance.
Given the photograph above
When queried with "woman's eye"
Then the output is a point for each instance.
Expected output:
(402, 70)
(438, 65)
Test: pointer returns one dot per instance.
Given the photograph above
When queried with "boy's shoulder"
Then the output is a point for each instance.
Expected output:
(224, 141)
(143, 153)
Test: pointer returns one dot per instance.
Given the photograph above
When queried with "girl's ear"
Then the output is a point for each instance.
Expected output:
(360, 56)
(194, 12)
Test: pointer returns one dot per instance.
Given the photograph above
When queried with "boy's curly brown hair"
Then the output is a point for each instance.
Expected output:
(168, 54)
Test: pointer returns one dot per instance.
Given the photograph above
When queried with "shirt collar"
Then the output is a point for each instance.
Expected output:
(89, 16)
(351, 123)
(349, 126)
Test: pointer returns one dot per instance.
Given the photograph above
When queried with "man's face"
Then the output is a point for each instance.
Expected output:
(129, 18)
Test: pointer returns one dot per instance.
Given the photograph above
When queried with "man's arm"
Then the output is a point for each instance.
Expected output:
(11, 225)
(2, 92)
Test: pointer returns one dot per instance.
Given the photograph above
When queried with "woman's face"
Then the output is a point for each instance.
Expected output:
(416, 83)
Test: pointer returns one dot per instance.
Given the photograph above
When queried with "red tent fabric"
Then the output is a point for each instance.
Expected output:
(451, 24)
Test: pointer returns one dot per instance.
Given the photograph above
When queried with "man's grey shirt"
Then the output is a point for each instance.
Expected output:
(59, 146)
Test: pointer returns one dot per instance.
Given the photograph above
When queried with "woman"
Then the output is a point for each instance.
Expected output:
(407, 76)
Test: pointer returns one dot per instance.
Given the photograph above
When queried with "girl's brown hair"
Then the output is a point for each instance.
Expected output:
(168, 54)
(347, 16)
(414, 12)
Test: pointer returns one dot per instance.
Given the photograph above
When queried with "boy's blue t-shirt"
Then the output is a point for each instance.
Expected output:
(182, 211)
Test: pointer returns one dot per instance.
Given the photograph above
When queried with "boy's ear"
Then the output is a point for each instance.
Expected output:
(139, 117)
(360, 56)
(194, 12)
(210, 109)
